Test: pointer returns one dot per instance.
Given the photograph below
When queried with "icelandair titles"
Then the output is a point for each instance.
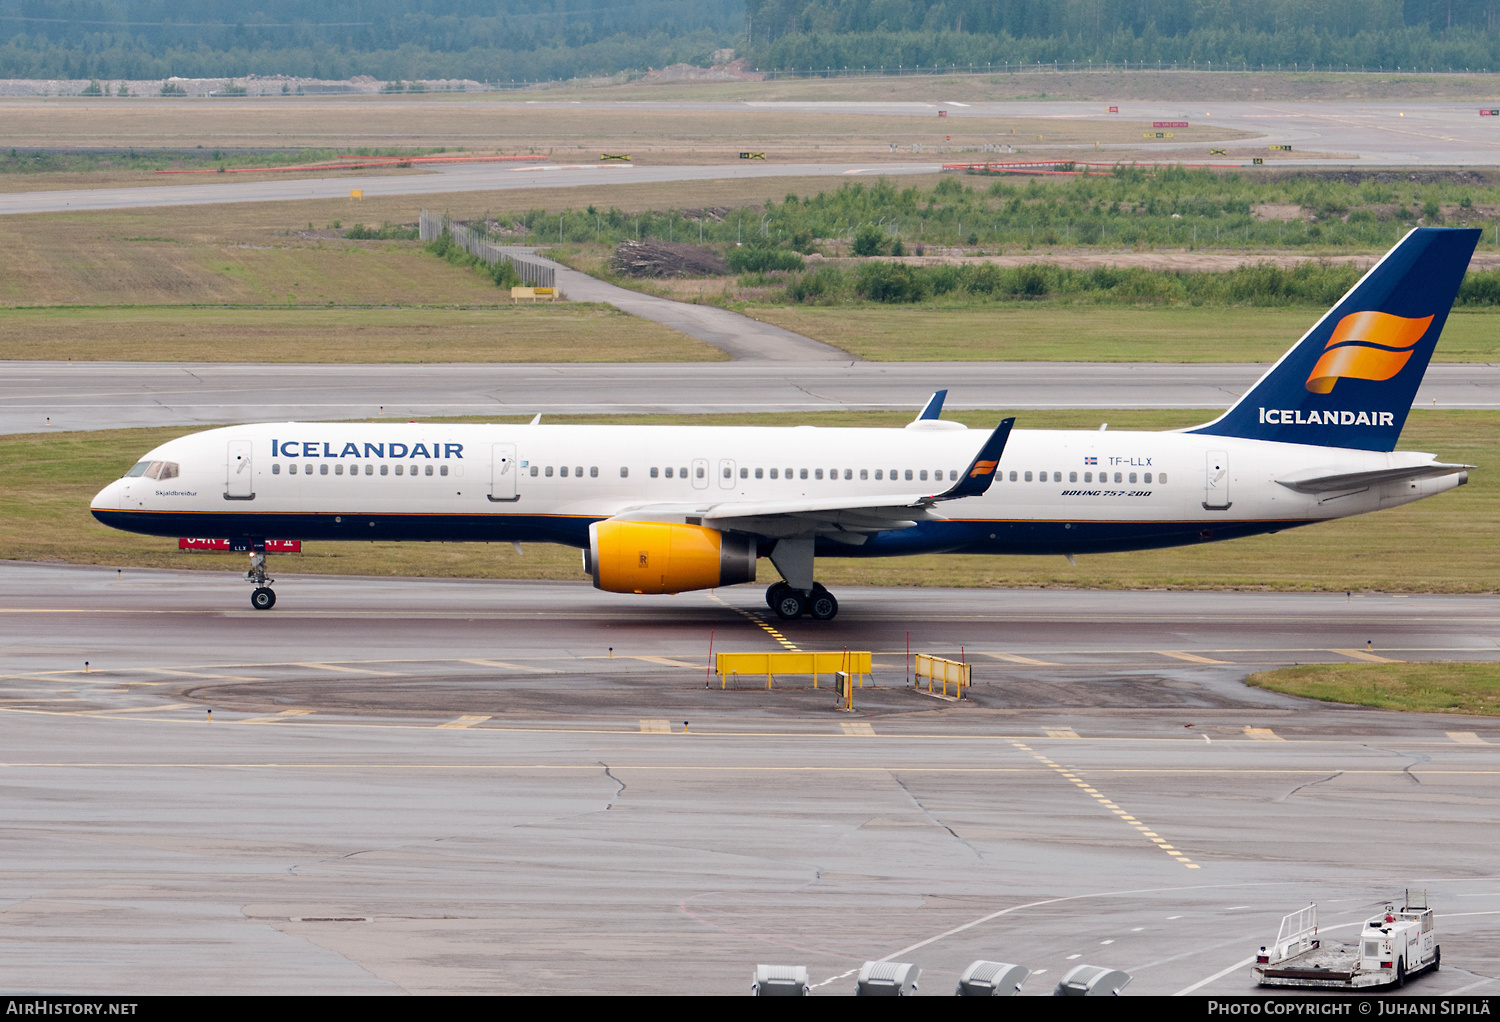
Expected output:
(309, 449)
(1284, 417)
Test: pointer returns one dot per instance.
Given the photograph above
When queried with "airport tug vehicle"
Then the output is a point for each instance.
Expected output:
(1391, 946)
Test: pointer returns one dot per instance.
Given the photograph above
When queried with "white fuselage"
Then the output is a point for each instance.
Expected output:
(1056, 491)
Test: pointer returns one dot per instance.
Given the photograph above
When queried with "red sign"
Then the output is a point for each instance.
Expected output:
(1169, 124)
(942, 113)
(273, 546)
(1114, 109)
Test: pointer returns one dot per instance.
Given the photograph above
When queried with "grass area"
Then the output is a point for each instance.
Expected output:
(517, 333)
(1450, 543)
(1422, 688)
(1099, 333)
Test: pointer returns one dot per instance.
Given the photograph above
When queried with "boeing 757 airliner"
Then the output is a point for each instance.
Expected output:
(666, 509)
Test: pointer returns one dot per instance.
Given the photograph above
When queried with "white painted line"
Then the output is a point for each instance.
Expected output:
(1218, 975)
(667, 661)
(1061, 732)
(1071, 957)
(1194, 658)
(1359, 654)
(347, 670)
(858, 728)
(655, 727)
(280, 718)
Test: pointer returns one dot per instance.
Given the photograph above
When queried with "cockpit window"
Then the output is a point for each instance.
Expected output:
(154, 470)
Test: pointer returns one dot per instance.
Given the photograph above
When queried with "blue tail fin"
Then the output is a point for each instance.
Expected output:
(1351, 379)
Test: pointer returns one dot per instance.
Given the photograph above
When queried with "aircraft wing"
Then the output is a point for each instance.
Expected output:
(1333, 481)
(851, 518)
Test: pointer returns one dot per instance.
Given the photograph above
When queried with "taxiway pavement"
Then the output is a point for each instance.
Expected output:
(451, 786)
(37, 396)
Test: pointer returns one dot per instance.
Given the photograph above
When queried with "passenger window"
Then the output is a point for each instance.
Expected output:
(307, 469)
(682, 473)
(1132, 477)
(922, 475)
(428, 472)
(414, 470)
(773, 473)
(338, 470)
(728, 472)
(1057, 477)
(953, 475)
(547, 471)
(443, 470)
(1162, 478)
(563, 471)
(624, 472)
(744, 473)
(323, 469)
(399, 469)
(848, 473)
(1012, 475)
(817, 473)
(1088, 477)
(1028, 477)
(787, 473)
(138, 469)
(593, 471)
(652, 473)
(535, 469)
(669, 471)
(1072, 477)
(383, 469)
(908, 474)
(803, 474)
(276, 468)
(370, 470)
(864, 473)
(1148, 477)
(1117, 478)
(578, 471)
(880, 473)
(760, 473)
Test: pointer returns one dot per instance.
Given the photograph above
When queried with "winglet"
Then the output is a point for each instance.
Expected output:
(933, 408)
(981, 472)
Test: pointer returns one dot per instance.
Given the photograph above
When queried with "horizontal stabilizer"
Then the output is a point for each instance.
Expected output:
(1320, 482)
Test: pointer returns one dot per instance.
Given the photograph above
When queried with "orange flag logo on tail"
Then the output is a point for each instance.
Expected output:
(1366, 346)
(982, 468)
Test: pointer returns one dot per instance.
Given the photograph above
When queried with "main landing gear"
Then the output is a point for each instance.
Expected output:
(263, 597)
(790, 604)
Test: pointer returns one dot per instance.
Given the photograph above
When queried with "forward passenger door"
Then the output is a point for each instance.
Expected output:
(503, 473)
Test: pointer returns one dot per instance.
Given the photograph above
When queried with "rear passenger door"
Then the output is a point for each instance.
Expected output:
(503, 473)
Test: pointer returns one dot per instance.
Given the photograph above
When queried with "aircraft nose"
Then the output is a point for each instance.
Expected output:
(108, 498)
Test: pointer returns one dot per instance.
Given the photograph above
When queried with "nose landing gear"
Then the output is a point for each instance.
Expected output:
(263, 597)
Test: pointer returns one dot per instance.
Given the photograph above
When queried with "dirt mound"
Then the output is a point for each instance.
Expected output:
(666, 259)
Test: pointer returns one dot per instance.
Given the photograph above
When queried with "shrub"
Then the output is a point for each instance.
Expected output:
(869, 240)
(762, 260)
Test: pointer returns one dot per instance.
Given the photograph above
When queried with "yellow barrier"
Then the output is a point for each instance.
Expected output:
(936, 669)
(533, 293)
(356, 193)
(772, 664)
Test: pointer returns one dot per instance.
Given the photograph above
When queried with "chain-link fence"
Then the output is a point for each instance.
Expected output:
(476, 244)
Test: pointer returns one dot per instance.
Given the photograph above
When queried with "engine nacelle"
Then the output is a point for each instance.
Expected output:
(666, 557)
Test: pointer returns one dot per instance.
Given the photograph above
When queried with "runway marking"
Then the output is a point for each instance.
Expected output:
(667, 661)
(755, 618)
(1218, 975)
(655, 727)
(346, 670)
(1071, 776)
(467, 720)
(859, 728)
(1061, 732)
(1262, 734)
(199, 674)
(1018, 659)
(1190, 657)
(136, 709)
(280, 718)
(1359, 654)
(1466, 738)
(497, 663)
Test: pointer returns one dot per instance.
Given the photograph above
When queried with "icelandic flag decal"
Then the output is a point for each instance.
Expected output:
(1090, 460)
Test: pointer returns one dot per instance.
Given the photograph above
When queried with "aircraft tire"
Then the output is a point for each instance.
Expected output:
(264, 598)
(790, 605)
(822, 606)
(773, 593)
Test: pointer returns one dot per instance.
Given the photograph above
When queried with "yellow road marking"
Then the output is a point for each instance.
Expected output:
(1061, 732)
(667, 661)
(467, 720)
(655, 727)
(1192, 658)
(1262, 734)
(199, 674)
(1466, 738)
(755, 618)
(1111, 806)
(1359, 654)
(858, 728)
(279, 718)
(1017, 659)
(347, 670)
